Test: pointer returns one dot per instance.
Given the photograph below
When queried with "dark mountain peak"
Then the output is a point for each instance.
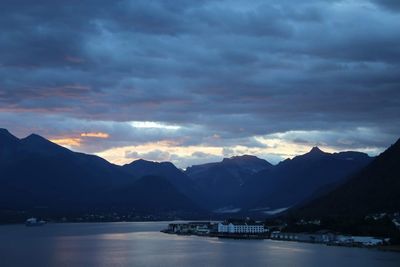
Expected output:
(242, 158)
(316, 150)
(246, 159)
(37, 140)
(167, 164)
(142, 163)
(143, 167)
(35, 137)
(4, 132)
(41, 145)
(244, 163)
(8, 145)
(6, 135)
(314, 153)
(150, 164)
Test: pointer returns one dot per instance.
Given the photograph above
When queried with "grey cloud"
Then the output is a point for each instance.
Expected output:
(393, 5)
(235, 69)
(199, 154)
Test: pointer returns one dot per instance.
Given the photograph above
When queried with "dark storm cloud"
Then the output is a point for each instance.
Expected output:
(393, 5)
(233, 69)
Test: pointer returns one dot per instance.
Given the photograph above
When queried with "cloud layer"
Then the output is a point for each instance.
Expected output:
(221, 74)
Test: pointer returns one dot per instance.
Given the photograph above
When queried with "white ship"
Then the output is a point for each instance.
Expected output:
(34, 222)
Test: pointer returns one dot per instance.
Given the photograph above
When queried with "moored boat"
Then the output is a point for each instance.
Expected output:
(34, 222)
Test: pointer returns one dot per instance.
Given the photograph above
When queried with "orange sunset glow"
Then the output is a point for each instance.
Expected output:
(96, 135)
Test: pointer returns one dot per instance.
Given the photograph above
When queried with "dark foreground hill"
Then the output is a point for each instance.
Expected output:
(374, 189)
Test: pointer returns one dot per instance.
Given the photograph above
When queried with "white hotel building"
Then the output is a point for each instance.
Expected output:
(241, 228)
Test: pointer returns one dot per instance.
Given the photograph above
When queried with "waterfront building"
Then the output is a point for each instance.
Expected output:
(327, 238)
(241, 227)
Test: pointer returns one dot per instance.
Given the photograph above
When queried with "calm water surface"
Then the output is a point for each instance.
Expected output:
(141, 244)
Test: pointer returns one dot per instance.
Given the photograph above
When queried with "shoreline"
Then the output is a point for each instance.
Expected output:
(383, 248)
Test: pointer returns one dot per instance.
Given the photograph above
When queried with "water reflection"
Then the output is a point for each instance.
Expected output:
(141, 244)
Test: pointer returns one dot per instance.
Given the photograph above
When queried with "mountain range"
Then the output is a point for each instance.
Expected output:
(38, 176)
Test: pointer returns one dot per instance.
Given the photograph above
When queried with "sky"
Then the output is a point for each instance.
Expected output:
(195, 81)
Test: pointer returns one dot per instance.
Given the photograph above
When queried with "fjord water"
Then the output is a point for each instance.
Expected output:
(141, 244)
